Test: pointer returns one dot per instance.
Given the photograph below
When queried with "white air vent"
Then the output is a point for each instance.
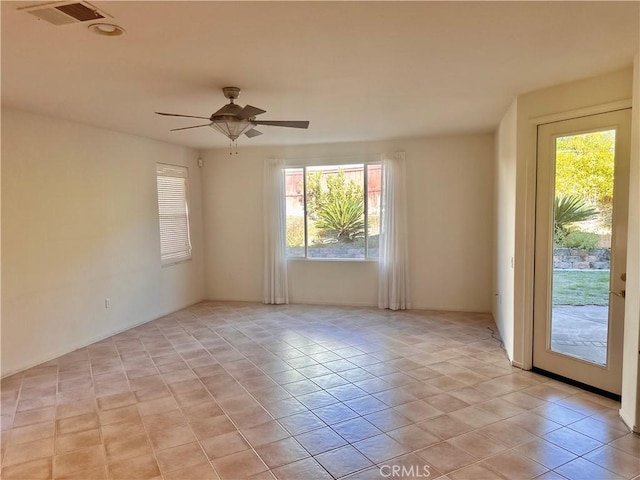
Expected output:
(63, 13)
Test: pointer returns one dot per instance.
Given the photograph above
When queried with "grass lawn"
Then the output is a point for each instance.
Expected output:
(589, 287)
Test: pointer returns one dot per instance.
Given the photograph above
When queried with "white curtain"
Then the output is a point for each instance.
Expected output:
(275, 249)
(393, 264)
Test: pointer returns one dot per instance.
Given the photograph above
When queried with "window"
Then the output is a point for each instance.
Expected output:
(173, 212)
(333, 211)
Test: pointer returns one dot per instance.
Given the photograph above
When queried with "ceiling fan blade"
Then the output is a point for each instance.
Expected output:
(252, 133)
(283, 123)
(187, 128)
(249, 111)
(178, 115)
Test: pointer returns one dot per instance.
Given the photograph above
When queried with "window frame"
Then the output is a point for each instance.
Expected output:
(337, 164)
(183, 255)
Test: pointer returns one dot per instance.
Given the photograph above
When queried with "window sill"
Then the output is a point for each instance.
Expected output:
(339, 260)
(177, 262)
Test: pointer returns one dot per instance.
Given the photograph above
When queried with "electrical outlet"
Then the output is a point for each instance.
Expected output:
(107, 302)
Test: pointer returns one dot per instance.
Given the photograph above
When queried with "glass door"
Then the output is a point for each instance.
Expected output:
(580, 257)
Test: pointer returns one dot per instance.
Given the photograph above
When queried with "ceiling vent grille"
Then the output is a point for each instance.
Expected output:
(64, 13)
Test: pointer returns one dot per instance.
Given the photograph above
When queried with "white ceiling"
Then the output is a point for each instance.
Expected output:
(356, 70)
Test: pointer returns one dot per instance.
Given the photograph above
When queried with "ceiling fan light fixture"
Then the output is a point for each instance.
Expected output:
(231, 128)
(106, 29)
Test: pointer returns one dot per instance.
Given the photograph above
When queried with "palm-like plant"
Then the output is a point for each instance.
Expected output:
(342, 218)
(569, 209)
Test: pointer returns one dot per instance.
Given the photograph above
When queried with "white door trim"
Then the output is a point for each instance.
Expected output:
(527, 275)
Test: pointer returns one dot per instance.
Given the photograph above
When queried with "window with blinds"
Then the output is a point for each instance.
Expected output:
(173, 212)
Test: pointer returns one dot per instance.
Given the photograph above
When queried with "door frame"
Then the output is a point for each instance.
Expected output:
(524, 266)
(605, 379)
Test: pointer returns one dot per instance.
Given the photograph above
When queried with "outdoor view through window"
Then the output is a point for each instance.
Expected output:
(584, 181)
(333, 211)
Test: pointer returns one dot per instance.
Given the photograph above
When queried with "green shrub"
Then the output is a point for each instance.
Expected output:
(343, 219)
(570, 209)
(295, 231)
(581, 240)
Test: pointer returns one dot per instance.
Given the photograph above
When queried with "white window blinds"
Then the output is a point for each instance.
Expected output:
(173, 211)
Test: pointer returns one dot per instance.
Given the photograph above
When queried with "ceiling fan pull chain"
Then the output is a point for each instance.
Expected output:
(230, 147)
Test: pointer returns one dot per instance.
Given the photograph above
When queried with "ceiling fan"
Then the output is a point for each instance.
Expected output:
(233, 120)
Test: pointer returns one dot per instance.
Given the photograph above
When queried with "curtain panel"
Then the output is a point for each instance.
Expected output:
(275, 253)
(393, 264)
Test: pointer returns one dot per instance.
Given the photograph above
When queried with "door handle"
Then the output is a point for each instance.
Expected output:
(621, 293)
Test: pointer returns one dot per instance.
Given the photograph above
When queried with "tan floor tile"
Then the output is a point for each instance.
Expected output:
(630, 444)
(417, 411)
(159, 405)
(118, 415)
(475, 417)
(79, 423)
(202, 411)
(444, 426)
(281, 452)
(616, 461)
(171, 437)
(573, 441)
(138, 468)
(202, 471)
(35, 470)
(28, 451)
(122, 430)
(477, 445)
(32, 432)
(343, 461)
(507, 434)
(161, 421)
(534, 423)
(224, 444)
(474, 472)
(30, 417)
(239, 465)
(513, 465)
(581, 469)
(78, 460)
(413, 437)
(408, 382)
(545, 453)
(118, 400)
(307, 468)
(123, 448)
(445, 457)
(381, 447)
(500, 408)
(74, 441)
(35, 402)
(597, 429)
(99, 473)
(265, 433)
(183, 456)
(320, 440)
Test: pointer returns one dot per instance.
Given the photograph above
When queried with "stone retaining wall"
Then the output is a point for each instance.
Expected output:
(575, 258)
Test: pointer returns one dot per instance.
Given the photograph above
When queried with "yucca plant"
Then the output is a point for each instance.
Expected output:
(343, 219)
(570, 209)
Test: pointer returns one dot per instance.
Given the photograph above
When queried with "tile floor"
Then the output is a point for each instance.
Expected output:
(232, 390)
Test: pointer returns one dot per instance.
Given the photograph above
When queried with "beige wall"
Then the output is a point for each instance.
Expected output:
(554, 103)
(516, 152)
(79, 225)
(449, 188)
(564, 101)
(504, 207)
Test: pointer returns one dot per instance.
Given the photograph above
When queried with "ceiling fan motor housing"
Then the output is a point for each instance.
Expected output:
(231, 92)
